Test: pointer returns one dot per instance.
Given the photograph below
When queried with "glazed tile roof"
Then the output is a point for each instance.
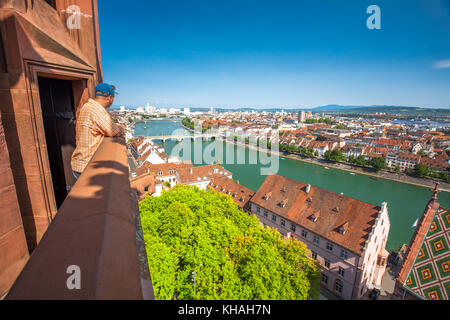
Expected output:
(426, 270)
(333, 210)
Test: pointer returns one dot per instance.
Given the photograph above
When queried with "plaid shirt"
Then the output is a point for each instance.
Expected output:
(93, 124)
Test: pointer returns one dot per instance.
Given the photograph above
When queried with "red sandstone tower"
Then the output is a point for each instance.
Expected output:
(48, 68)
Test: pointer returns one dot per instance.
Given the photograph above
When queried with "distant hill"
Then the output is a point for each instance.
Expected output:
(341, 109)
(411, 111)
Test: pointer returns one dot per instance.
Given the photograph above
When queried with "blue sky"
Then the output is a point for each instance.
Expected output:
(283, 53)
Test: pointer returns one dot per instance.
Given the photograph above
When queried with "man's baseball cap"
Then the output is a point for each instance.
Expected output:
(105, 90)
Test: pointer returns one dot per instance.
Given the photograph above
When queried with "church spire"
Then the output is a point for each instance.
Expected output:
(436, 191)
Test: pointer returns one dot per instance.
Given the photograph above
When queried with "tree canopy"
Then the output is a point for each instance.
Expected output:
(201, 245)
(334, 155)
(378, 163)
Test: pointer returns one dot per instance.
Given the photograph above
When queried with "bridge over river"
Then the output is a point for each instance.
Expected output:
(180, 137)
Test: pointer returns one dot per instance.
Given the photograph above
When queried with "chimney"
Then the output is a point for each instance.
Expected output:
(308, 188)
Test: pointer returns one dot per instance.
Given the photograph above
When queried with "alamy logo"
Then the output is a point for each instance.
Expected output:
(263, 150)
(374, 21)
(74, 280)
(74, 21)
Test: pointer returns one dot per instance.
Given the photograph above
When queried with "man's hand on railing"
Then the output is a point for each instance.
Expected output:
(144, 185)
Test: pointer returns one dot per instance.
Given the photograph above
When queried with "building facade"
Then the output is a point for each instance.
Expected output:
(347, 236)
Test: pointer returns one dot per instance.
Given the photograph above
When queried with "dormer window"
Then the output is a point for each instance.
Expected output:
(309, 200)
(343, 229)
(315, 216)
(283, 203)
(267, 196)
(336, 209)
(242, 200)
(160, 173)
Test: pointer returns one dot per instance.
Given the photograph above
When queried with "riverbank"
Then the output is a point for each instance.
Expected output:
(401, 178)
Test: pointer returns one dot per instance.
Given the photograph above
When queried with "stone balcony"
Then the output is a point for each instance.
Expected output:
(97, 229)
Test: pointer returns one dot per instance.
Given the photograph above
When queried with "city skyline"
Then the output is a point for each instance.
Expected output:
(266, 54)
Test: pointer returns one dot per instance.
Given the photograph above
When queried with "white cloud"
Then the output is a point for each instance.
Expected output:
(442, 64)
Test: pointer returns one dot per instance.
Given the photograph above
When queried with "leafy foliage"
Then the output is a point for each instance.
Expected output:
(378, 163)
(190, 232)
(334, 155)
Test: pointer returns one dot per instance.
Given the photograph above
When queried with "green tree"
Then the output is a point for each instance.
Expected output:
(421, 170)
(397, 169)
(341, 127)
(378, 163)
(334, 155)
(444, 176)
(423, 154)
(190, 231)
(321, 138)
(361, 160)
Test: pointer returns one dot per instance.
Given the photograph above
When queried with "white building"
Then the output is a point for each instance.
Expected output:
(150, 109)
(140, 110)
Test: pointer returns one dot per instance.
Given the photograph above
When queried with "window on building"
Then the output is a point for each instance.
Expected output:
(324, 278)
(338, 286)
(329, 246)
(258, 209)
(341, 271)
(316, 240)
(344, 254)
(314, 255)
(283, 222)
(304, 233)
(265, 214)
(327, 263)
(160, 173)
(274, 218)
(293, 228)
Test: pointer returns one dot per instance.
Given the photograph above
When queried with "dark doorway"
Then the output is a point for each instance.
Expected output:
(58, 113)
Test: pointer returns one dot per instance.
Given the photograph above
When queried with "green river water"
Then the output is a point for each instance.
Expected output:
(405, 202)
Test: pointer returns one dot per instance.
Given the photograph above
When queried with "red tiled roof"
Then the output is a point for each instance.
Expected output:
(240, 194)
(163, 167)
(189, 175)
(335, 211)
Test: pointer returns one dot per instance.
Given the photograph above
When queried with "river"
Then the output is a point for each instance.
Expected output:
(405, 202)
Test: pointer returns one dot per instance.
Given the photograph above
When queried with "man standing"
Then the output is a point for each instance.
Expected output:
(93, 124)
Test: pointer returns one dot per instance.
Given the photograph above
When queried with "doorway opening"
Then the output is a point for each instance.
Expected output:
(58, 113)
